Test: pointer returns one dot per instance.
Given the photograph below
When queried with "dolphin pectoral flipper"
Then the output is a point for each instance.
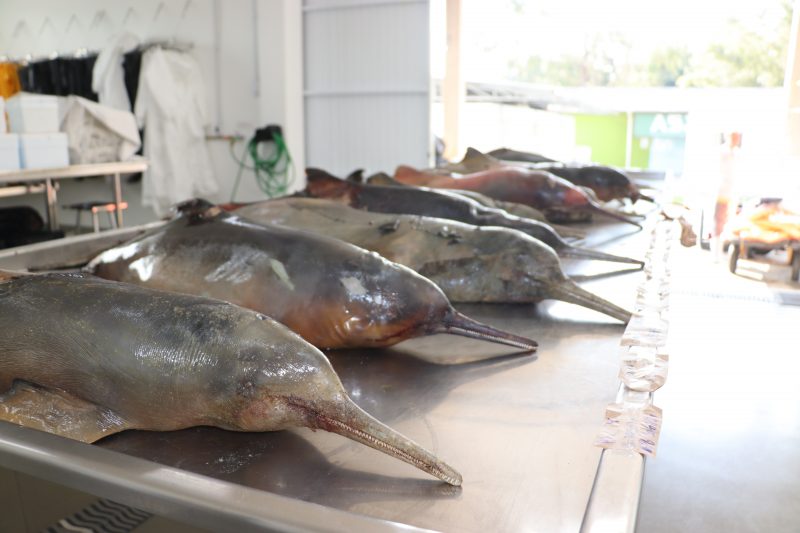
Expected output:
(58, 412)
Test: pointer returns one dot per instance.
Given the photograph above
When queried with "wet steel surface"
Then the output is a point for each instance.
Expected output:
(520, 428)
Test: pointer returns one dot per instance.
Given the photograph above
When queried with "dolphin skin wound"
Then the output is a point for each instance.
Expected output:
(469, 263)
(333, 294)
(84, 358)
(426, 202)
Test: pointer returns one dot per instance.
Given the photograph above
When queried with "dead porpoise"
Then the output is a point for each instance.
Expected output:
(469, 263)
(84, 358)
(333, 294)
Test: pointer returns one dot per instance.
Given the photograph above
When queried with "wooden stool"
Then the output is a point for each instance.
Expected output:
(95, 208)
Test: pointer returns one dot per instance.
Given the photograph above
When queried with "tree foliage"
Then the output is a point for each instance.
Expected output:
(668, 66)
(599, 65)
(749, 54)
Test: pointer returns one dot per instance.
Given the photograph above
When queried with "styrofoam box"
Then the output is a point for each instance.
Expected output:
(32, 113)
(3, 127)
(43, 150)
(9, 151)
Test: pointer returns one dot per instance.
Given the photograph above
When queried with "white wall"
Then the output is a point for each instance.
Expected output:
(280, 63)
(252, 77)
(367, 84)
(487, 126)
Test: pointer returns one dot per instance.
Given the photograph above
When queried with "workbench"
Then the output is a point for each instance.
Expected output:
(29, 180)
(521, 429)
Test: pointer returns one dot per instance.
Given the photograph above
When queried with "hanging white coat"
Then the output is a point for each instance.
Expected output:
(171, 107)
(108, 75)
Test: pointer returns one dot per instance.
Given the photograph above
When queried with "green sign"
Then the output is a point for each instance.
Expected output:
(660, 125)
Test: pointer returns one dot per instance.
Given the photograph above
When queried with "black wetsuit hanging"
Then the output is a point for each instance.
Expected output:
(61, 76)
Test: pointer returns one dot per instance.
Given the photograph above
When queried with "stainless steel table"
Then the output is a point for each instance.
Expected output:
(520, 429)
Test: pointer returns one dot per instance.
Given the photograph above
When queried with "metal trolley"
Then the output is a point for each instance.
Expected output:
(753, 250)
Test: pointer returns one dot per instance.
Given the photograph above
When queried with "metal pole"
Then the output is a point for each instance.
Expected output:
(792, 83)
(453, 88)
(629, 139)
(118, 199)
(50, 195)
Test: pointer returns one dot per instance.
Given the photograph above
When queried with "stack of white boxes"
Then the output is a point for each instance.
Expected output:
(9, 143)
(34, 120)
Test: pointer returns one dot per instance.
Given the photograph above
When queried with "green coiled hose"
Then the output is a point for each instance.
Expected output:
(273, 173)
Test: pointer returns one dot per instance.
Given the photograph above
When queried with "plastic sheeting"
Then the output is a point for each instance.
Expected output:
(99, 134)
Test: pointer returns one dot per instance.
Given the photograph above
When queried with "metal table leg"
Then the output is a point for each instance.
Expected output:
(118, 198)
(52, 208)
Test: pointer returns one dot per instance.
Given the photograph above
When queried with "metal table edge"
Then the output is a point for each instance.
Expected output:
(169, 492)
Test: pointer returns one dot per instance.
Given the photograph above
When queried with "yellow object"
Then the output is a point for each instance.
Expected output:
(9, 80)
(768, 223)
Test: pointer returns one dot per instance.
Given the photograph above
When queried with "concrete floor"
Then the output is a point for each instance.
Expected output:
(729, 455)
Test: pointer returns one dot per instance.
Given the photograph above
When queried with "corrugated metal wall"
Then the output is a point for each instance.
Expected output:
(367, 84)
